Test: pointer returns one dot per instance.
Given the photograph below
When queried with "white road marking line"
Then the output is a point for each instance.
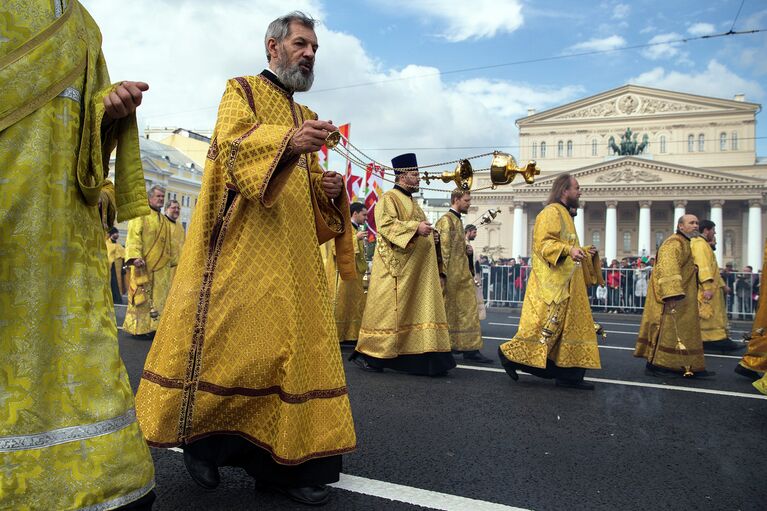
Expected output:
(618, 348)
(409, 495)
(638, 384)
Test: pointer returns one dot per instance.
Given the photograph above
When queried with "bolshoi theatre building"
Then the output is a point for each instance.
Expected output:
(643, 157)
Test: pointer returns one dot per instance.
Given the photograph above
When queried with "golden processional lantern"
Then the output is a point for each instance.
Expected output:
(503, 168)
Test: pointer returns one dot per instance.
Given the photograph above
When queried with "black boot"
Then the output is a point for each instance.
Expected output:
(476, 356)
(204, 473)
(723, 346)
(509, 366)
(318, 495)
(748, 373)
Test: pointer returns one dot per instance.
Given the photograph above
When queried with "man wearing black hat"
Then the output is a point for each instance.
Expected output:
(404, 326)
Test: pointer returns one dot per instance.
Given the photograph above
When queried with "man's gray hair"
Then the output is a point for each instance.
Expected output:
(150, 192)
(279, 29)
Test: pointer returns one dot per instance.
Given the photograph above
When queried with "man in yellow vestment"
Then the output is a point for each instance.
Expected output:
(69, 438)
(711, 304)
(460, 291)
(404, 326)
(348, 296)
(669, 335)
(246, 368)
(116, 259)
(754, 361)
(556, 336)
(177, 234)
(150, 253)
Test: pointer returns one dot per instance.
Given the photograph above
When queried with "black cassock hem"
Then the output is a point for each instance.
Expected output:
(424, 364)
(551, 371)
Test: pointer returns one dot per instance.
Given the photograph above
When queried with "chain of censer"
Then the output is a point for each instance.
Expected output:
(363, 161)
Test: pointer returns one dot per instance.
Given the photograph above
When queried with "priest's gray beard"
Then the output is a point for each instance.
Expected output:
(293, 77)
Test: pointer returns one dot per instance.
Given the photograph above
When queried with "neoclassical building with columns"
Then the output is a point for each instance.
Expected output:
(684, 153)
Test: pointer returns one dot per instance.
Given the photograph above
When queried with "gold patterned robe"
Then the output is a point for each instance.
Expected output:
(713, 312)
(69, 438)
(116, 259)
(248, 345)
(666, 339)
(348, 296)
(460, 291)
(149, 237)
(556, 288)
(755, 357)
(405, 311)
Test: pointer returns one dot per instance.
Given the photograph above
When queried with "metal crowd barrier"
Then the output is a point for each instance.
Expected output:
(625, 292)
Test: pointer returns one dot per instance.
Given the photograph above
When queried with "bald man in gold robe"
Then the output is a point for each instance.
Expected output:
(669, 335)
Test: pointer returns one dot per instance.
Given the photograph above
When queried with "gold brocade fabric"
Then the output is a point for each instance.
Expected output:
(149, 237)
(116, 257)
(713, 312)
(755, 357)
(348, 296)
(761, 384)
(460, 295)
(405, 311)
(68, 435)
(247, 344)
(556, 289)
(671, 340)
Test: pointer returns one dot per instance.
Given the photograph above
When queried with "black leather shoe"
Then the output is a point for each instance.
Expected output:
(309, 495)
(704, 374)
(363, 364)
(748, 373)
(653, 370)
(203, 473)
(574, 384)
(476, 356)
(508, 366)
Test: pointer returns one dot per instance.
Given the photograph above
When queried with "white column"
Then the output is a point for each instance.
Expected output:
(754, 234)
(525, 232)
(644, 245)
(679, 211)
(716, 217)
(580, 225)
(517, 230)
(611, 230)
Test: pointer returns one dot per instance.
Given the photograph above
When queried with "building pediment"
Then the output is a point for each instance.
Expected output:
(633, 101)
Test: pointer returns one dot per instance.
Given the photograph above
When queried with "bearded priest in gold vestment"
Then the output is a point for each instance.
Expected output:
(711, 304)
(348, 296)
(69, 438)
(556, 336)
(669, 335)
(150, 253)
(460, 290)
(404, 326)
(754, 361)
(116, 260)
(177, 234)
(246, 368)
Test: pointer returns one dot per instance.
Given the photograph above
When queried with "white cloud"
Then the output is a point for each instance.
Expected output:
(475, 19)
(716, 80)
(662, 48)
(600, 44)
(621, 11)
(700, 29)
(186, 52)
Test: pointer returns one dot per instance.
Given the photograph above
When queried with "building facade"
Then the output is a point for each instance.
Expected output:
(643, 157)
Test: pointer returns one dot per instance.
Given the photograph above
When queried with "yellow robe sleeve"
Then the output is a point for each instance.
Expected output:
(445, 239)
(666, 271)
(396, 231)
(547, 236)
(134, 248)
(254, 152)
(708, 277)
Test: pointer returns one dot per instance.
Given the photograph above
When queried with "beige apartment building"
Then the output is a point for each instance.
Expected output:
(685, 153)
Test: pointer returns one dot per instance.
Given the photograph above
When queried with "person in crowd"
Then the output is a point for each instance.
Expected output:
(246, 367)
(116, 259)
(613, 287)
(177, 233)
(556, 336)
(641, 275)
(744, 290)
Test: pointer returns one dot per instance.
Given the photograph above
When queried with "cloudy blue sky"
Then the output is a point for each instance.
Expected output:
(411, 57)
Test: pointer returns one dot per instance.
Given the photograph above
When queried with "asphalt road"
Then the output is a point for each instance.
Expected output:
(476, 434)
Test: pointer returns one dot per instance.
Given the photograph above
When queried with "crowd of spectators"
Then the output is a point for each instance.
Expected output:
(626, 285)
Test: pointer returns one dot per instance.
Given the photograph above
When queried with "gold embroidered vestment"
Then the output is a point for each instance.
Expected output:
(713, 312)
